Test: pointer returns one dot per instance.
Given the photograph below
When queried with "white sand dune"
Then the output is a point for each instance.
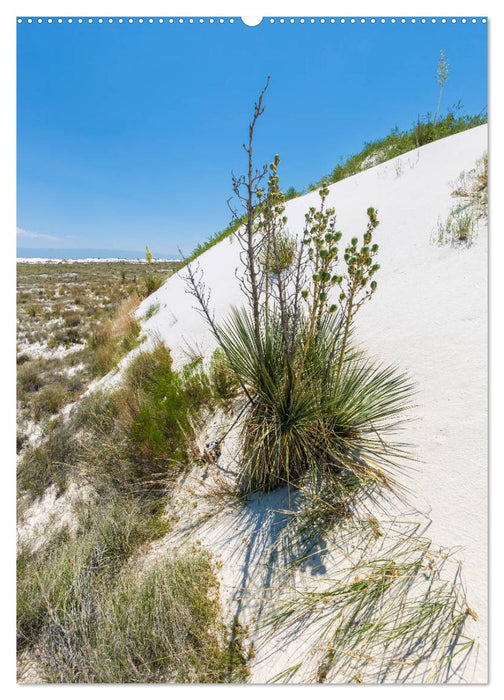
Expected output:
(429, 317)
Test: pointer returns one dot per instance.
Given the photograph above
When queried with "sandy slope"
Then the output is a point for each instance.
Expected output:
(429, 316)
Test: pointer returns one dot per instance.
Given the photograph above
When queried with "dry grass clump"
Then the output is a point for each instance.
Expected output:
(45, 385)
(51, 461)
(72, 319)
(113, 338)
(471, 192)
(96, 619)
(472, 187)
(49, 400)
(29, 377)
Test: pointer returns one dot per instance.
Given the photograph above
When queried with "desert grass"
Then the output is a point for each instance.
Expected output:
(459, 228)
(49, 462)
(138, 437)
(114, 338)
(395, 610)
(471, 194)
(60, 306)
(95, 618)
(472, 187)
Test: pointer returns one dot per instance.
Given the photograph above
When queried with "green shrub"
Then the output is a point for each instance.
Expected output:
(156, 409)
(224, 381)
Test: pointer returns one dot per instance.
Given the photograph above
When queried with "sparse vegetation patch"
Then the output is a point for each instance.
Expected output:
(96, 619)
(471, 194)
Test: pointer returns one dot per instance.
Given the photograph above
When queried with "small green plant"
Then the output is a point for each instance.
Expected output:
(458, 229)
(151, 311)
(151, 280)
(224, 382)
(472, 187)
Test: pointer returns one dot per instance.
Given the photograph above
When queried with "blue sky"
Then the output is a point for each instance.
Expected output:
(127, 133)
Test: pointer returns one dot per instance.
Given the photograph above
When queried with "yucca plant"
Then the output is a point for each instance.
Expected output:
(298, 425)
(314, 404)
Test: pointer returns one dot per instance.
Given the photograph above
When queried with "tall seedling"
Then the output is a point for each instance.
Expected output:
(443, 70)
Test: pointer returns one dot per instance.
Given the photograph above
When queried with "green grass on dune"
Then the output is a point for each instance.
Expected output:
(397, 142)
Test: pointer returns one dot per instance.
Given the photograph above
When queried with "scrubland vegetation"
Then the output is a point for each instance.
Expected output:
(84, 613)
(93, 618)
(316, 416)
(74, 322)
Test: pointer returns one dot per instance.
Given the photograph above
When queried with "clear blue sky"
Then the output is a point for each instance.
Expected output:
(127, 133)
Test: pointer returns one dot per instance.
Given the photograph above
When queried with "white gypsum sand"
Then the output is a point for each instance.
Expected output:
(429, 317)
